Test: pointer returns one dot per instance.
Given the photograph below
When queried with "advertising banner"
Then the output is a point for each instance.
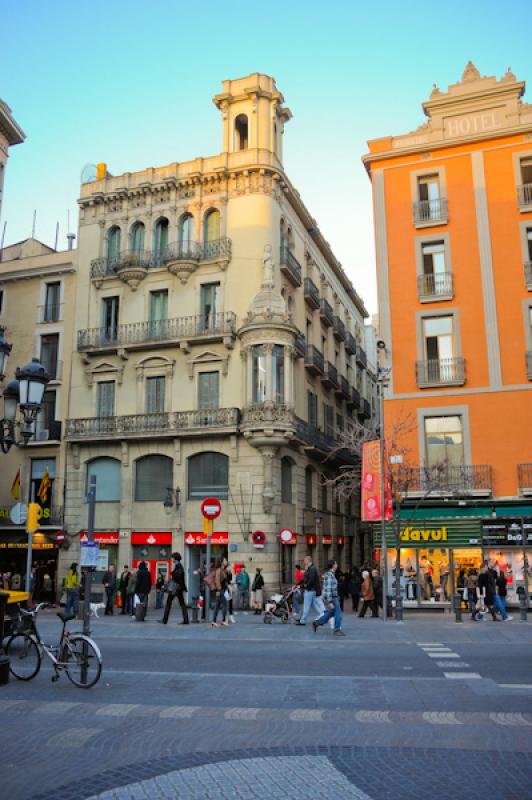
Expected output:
(371, 485)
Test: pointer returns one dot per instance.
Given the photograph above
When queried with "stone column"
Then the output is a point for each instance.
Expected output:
(269, 372)
(288, 375)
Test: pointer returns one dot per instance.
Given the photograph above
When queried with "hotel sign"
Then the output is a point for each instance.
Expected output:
(423, 535)
(471, 124)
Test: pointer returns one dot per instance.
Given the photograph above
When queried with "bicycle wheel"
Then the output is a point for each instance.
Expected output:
(24, 657)
(83, 662)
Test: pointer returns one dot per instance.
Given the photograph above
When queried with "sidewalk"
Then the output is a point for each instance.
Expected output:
(422, 627)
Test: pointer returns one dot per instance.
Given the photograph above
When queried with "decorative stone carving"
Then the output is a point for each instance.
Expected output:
(470, 72)
(132, 275)
(183, 269)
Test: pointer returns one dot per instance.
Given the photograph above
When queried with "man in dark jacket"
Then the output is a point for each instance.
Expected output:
(108, 581)
(179, 587)
(122, 588)
(311, 591)
(143, 585)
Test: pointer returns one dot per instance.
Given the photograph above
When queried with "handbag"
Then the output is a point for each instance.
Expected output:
(171, 587)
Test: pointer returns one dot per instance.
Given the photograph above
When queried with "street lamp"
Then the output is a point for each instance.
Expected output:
(171, 497)
(383, 378)
(25, 392)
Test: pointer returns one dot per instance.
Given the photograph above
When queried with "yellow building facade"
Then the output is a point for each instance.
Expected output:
(219, 350)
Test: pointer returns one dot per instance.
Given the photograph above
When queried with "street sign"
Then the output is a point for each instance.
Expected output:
(258, 539)
(211, 508)
(89, 554)
(19, 514)
(287, 536)
(59, 536)
(396, 459)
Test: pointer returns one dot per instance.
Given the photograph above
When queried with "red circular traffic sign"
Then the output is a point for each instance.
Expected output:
(287, 536)
(258, 538)
(211, 508)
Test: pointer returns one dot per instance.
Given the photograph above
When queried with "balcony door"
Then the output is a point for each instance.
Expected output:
(106, 399)
(438, 337)
(444, 455)
(49, 354)
(158, 324)
(110, 309)
(52, 302)
(208, 390)
(434, 268)
(429, 196)
(209, 305)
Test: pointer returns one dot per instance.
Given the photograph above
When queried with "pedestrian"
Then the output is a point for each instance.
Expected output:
(242, 584)
(176, 588)
(229, 590)
(131, 591)
(331, 600)
(311, 591)
(122, 587)
(220, 582)
(377, 588)
(143, 584)
(500, 596)
(354, 586)
(368, 595)
(341, 578)
(108, 581)
(299, 576)
(257, 588)
(471, 586)
(159, 590)
(460, 587)
(486, 592)
(72, 586)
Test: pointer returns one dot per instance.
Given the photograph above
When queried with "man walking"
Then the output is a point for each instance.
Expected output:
(176, 588)
(108, 581)
(242, 582)
(331, 600)
(311, 591)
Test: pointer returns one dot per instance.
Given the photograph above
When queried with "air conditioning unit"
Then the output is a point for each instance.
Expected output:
(42, 435)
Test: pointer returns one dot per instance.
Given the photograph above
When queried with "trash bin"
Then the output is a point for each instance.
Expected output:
(389, 606)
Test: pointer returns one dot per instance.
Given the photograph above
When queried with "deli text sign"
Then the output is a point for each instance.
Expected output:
(501, 532)
(423, 535)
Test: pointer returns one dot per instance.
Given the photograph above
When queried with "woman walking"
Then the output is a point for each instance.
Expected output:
(471, 584)
(486, 591)
(72, 586)
(257, 588)
(220, 582)
(368, 595)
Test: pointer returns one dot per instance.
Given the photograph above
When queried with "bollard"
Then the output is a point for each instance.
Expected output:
(457, 602)
(522, 603)
(194, 608)
(398, 609)
(4, 660)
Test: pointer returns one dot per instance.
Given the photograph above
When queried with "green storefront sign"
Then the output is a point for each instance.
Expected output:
(441, 532)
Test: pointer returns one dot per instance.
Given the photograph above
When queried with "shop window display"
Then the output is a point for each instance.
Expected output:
(408, 581)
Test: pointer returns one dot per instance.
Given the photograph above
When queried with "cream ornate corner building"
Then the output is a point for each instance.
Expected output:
(37, 292)
(220, 347)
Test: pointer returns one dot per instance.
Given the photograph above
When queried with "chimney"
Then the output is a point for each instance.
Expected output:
(71, 237)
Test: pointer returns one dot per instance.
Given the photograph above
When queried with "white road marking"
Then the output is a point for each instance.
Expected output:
(441, 718)
(242, 713)
(443, 655)
(306, 715)
(181, 712)
(116, 709)
(516, 685)
(453, 664)
(461, 676)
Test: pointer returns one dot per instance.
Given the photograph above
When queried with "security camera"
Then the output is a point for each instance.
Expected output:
(381, 344)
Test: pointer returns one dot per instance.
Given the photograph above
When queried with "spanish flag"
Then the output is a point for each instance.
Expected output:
(15, 486)
(42, 494)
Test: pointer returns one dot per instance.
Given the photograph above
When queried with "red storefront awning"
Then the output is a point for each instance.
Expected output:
(151, 537)
(103, 537)
(220, 537)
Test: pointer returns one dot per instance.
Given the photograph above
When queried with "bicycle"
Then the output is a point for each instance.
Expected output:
(76, 654)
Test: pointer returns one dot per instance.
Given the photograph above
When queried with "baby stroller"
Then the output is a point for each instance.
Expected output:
(278, 607)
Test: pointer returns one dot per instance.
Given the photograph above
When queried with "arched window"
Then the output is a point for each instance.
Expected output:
(309, 487)
(208, 476)
(113, 243)
(186, 234)
(211, 226)
(137, 237)
(160, 242)
(286, 480)
(153, 476)
(258, 365)
(107, 472)
(241, 132)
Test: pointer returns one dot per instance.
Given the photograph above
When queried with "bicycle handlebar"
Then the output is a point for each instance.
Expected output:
(34, 611)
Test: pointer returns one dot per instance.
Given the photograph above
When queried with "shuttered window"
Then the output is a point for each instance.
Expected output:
(106, 399)
(155, 394)
(107, 472)
(209, 390)
(153, 476)
(208, 476)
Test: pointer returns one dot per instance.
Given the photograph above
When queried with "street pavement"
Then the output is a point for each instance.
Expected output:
(392, 710)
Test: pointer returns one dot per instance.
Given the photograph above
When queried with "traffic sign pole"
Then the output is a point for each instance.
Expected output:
(211, 508)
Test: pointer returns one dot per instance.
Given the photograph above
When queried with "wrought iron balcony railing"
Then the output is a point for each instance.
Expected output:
(528, 274)
(290, 266)
(427, 211)
(330, 375)
(186, 250)
(440, 372)
(313, 436)
(51, 312)
(529, 365)
(300, 344)
(314, 361)
(326, 313)
(173, 423)
(311, 293)
(524, 195)
(217, 249)
(364, 411)
(361, 357)
(354, 399)
(339, 329)
(445, 479)
(435, 286)
(344, 387)
(524, 478)
(47, 431)
(350, 344)
(202, 326)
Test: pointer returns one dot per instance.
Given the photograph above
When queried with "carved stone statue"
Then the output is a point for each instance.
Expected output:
(268, 267)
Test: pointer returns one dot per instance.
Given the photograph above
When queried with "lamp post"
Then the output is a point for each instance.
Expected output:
(383, 376)
(24, 393)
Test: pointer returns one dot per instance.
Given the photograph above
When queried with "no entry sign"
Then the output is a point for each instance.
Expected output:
(211, 508)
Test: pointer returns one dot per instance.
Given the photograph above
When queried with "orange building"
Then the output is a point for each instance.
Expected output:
(453, 229)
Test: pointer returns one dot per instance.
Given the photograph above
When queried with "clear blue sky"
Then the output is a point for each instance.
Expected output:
(130, 82)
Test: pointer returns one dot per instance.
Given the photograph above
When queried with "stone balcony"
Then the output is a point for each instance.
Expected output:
(290, 266)
(182, 331)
